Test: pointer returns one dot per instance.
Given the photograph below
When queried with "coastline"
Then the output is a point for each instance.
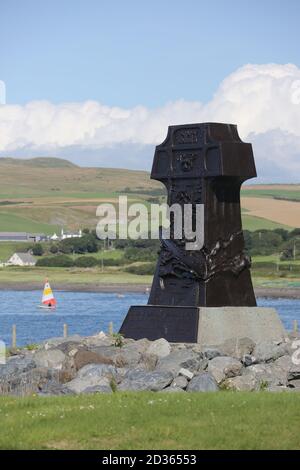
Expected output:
(271, 292)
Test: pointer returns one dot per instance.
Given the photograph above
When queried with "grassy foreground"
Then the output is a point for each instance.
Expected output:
(224, 420)
(59, 276)
(90, 277)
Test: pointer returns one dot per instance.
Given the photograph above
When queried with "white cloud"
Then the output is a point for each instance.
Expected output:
(264, 100)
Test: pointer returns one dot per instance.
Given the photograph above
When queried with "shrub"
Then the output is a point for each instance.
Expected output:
(86, 262)
(112, 262)
(37, 249)
(142, 269)
(59, 261)
(54, 249)
(85, 244)
(140, 254)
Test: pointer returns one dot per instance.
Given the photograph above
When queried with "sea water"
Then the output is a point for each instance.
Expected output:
(87, 313)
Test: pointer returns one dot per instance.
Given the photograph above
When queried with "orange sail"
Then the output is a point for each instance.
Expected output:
(48, 297)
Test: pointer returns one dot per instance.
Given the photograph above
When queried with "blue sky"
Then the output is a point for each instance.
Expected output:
(125, 53)
(98, 82)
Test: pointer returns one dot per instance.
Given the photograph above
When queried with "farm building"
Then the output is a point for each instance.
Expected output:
(64, 235)
(21, 259)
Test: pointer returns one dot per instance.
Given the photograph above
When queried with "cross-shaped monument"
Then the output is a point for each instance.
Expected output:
(209, 287)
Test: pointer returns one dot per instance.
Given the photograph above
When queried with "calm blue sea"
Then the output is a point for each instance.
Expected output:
(87, 313)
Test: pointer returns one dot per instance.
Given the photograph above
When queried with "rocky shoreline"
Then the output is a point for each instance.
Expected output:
(106, 364)
(123, 288)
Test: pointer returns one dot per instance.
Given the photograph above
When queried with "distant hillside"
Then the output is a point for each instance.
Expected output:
(48, 177)
(44, 194)
(38, 162)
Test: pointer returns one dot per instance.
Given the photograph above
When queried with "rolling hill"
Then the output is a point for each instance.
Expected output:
(43, 194)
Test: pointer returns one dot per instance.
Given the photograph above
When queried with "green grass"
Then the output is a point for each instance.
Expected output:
(107, 254)
(113, 275)
(279, 193)
(7, 249)
(253, 223)
(58, 276)
(274, 259)
(10, 222)
(142, 420)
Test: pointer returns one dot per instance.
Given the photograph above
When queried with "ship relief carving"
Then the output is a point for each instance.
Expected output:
(201, 265)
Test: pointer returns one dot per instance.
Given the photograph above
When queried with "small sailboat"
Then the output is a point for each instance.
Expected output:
(48, 299)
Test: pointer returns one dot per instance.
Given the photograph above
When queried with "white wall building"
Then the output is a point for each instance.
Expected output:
(65, 235)
(21, 259)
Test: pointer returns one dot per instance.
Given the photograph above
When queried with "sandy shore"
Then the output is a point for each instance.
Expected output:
(291, 293)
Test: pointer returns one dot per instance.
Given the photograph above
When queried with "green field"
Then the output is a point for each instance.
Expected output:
(142, 420)
(10, 222)
(68, 195)
(94, 277)
(7, 249)
(256, 223)
(59, 276)
(288, 194)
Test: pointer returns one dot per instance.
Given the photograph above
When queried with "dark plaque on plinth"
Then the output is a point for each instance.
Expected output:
(205, 165)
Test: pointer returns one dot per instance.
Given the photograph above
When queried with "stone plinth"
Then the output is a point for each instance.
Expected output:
(208, 326)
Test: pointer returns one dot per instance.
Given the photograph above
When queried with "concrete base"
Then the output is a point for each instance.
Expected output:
(208, 326)
(220, 323)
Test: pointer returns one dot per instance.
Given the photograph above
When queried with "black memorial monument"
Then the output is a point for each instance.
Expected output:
(199, 164)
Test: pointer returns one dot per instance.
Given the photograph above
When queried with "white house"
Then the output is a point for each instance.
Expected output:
(65, 235)
(21, 259)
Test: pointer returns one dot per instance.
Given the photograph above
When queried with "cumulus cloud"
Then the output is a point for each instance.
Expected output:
(264, 100)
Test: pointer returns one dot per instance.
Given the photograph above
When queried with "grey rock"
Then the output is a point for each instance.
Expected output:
(106, 351)
(267, 374)
(161, 348)
(186, 373)
(102, 387)
(203, 382)
(172, 389)
(28, 382)
(57, 342)
(223, 367)
(237, 347)
(83, 357)
(211, 353)
(179, 382)
(285, 362)
(295, 383)
(53, 388)
(244, 383)
(148, 361)
(16, 365)
(127, 357)
(51, 358)
(248, 360)
(141, 380)
(141, 345)
(185, 358)
(181, 346)
(67, 347)
(294, 372)
(277, 388)
(90, 376)
(97, 370)
(268, 351)
(97, 340)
